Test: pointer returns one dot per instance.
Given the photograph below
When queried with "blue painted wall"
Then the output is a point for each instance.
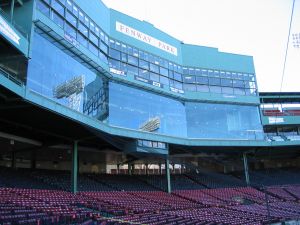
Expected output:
(206, 57)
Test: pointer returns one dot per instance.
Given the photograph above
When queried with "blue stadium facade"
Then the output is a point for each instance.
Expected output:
(130, 83)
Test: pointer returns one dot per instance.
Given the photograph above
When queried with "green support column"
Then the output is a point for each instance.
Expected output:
(118, 168)
(74, 172)
(167, 169)
(246, 169)
(12, 6)
(160, 172)
(147, 171)
(129, 169)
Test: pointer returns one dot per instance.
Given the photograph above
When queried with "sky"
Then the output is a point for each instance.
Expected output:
(250, 27)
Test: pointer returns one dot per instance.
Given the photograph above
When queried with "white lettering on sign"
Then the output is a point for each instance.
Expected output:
(276, 120)
(8, 31)
(145, 38)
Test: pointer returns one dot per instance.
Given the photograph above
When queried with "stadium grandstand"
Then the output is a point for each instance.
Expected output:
(105, 119)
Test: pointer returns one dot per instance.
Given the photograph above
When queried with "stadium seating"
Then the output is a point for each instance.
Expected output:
(41, 197)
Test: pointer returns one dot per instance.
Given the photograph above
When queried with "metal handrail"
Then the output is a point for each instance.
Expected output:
(11, 77)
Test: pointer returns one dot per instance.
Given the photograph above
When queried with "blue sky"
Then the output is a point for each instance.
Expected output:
(251, 27)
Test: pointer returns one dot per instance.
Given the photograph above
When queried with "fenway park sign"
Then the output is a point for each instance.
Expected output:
(145, 38)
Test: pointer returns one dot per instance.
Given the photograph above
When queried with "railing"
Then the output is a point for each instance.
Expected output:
(11, 77)
(13, 23)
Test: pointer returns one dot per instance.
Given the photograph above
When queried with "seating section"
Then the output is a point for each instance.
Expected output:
(202, 198)
(272, 177)
(216, 180)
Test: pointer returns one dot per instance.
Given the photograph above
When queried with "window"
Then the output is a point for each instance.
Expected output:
(191, 71)
(83, 29)
(144, 73)
(163, 71)
(81, 16)
(124, 57)
(215, 89)
(176, 84)
(58, 7)
(189, 79)
(164, 80)
(58, 19)
(202, 88)
(227, 90)
(238, 83)
(177, 76)
(70, 30)
(69, 5)
(94, 38)
(75, 10)
(93, 49)
(114, 64)
(82, 40)
(226, 82)
(143, 64)
(103, 47)
(132, 60)
(214, 81)
(154, 77)
(154, 68)
(132, 69)
(71, 18)
(202, 80)
(190, 87)
(43, 8)
(114, 54)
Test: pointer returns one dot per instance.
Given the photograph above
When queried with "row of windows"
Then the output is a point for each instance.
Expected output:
(86, 33)
(125, 52)
(130, 59)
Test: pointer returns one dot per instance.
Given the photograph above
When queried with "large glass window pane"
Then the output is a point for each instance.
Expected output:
(140, 107)
(114, 64)
(114, 54)
(163, 71)
(226, 82)
(189, 87)
(70, 30)
(202, 80)
(154, 68)
(94, 39)
(215, 89)
(71, 18)
(133, 60)
(227, 90)
(164, 80)
(202, 88)
(83, 29)
(93, 48)
(133, 69)
(44, 8)
(177, 76)
(154, 77)
(144, 73)
(238, 83)
(59, 20)
(103, 47)
(144, 64)
(82, 40)
(214, 81)
(57, 76)
(58, 7)
(223, 121)
(189, 79)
